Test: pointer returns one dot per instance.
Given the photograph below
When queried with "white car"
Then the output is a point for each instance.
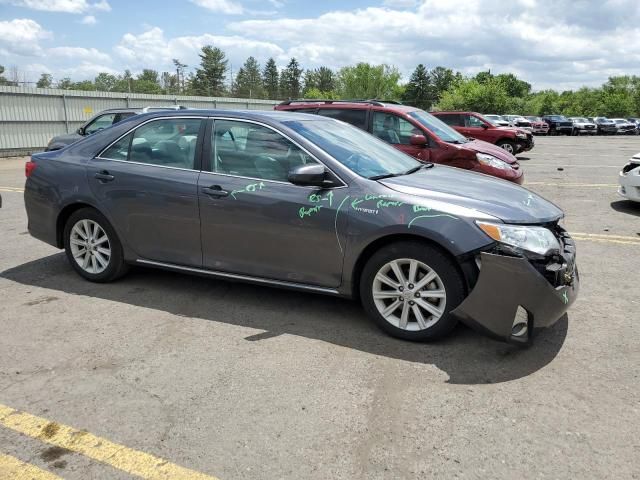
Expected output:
(582, 125)
(630, 179)
(497, 120)
(519, 121)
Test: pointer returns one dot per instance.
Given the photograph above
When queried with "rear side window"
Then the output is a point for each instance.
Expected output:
(357, 118)
(452, 119)
(165, 142)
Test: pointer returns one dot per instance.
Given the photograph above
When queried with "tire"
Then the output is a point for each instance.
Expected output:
(105, 260)
(508, 145)
(427, 259)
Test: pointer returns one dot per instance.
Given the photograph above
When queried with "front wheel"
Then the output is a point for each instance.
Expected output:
(409, 290)
(92, 246)
(507, 145)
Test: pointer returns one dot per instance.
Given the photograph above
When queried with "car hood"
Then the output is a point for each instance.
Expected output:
(449, 188)
(66, 139)
(481, 146)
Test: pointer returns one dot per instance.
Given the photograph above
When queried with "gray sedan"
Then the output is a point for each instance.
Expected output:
(310, 203)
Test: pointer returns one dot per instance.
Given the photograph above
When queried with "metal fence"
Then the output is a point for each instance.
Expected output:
(29, 117)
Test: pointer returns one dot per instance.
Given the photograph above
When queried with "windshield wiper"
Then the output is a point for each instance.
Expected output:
(408, 172)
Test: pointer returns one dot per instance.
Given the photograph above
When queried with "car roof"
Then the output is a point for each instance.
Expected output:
(257, 115)
(350, 104)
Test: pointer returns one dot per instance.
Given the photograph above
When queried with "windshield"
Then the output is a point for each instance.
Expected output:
(440, 129)
(356, 149)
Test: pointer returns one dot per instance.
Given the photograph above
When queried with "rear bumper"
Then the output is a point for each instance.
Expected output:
(506, 288)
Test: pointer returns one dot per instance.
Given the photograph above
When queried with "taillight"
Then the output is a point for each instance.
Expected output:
(29, 167)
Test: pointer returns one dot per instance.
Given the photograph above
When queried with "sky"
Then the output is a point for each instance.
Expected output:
(560, 44)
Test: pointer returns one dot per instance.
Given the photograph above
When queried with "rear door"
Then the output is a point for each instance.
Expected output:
(256, 223)
(147, 183)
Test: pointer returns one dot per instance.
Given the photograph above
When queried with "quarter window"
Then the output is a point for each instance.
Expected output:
(249, 150)
(357, 118)
(166, 142)
(393, 129)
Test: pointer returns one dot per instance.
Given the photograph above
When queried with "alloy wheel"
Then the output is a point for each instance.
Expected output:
(90, 246)
(508, 147)
(409, 294)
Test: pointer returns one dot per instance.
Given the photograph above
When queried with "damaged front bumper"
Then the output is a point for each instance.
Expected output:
(512, 298)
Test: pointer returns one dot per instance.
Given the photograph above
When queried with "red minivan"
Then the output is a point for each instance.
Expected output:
(472, 124)
(416, 133)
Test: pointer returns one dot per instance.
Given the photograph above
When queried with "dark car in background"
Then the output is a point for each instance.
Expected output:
(558, 124)
(471, 124)
(605, 126)
(100, 121)
(624, 126)
(416, 133)
(312, 204)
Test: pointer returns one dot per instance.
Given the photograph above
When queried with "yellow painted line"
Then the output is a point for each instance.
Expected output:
(14, 469)
(602, 235)
(11, 189)
(606, 240)
(118, 456)
(579, 185)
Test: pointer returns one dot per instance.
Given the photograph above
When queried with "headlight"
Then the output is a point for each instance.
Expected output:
(538, 240)
(521, 135)
(492, 161)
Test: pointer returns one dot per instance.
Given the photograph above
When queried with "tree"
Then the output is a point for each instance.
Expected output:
(487, 96)
(442, 79)
(271, 80)
(86, 85)
(365, 81)
(147, 82)
(513, 85)
(179, 74)
(105, 82)
(290, 85)
(64, 83)
(248, 83)
(309, 83)
(209, 79)
(419, 91)
(45, 81)
(3, 80)
(319, 80)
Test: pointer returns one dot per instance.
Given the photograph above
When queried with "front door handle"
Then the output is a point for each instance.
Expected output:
(104, 176)
(215, 191)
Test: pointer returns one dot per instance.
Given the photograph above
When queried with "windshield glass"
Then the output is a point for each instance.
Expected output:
(356, 149)
(440, 129)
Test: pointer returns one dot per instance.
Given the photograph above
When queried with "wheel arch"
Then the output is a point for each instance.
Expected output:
(381, 242)
(64, 215)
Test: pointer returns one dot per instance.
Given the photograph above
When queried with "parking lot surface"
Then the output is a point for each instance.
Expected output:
(163, 375)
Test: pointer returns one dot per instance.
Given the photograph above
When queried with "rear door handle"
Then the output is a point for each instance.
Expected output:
(104, 176)
(215, 191)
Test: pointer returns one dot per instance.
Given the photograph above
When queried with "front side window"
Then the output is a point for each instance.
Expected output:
(393, 129)
(100, 123)
(354, 148)
(357, 118)
(250, 150)
(473, 122)
(439, 128)
(165, 142)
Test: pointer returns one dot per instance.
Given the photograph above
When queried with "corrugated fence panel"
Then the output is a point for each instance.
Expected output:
(29, 117)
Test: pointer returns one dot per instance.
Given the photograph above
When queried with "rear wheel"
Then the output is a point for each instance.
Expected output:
(507, 145)
(409, 290)
(92, 246)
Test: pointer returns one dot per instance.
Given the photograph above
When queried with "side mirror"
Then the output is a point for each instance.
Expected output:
(418, 140)
(308, 175)
(80, 131)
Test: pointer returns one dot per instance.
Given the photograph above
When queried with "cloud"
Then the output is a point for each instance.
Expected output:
(151, 49)
(79, 53)
(21, 36)
(550, 43)
(223, 6)
(67, 6)
(89, 20)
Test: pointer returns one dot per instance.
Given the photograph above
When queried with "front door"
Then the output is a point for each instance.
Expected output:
(473, 127)
(256, 223)
(147, 183)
